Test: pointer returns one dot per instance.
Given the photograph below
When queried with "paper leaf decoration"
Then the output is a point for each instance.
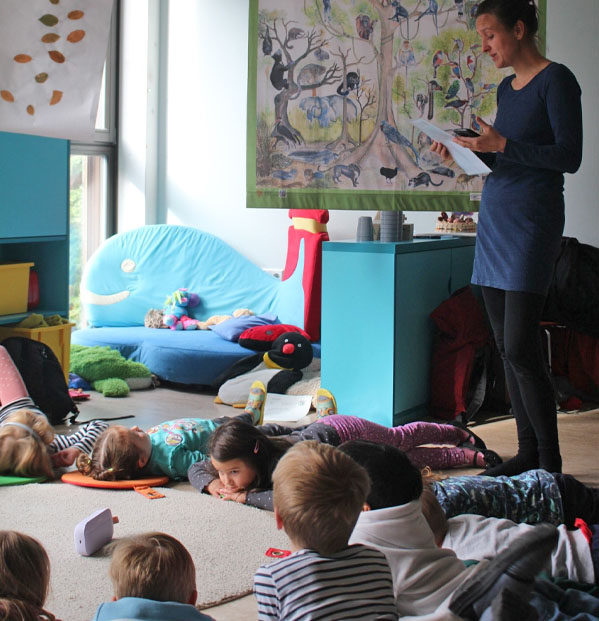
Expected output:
(49, 20)
(75, 36)
(52, 54)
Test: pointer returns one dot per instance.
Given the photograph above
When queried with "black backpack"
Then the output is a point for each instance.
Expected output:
(43, 377)
(573, 297)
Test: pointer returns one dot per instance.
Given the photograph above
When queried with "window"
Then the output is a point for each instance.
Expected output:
(93, 181)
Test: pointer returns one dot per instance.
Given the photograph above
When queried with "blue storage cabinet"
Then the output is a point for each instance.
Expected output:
(377, 334)
(34, 215)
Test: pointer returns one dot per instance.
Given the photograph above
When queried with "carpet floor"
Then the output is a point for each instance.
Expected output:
(227, 541)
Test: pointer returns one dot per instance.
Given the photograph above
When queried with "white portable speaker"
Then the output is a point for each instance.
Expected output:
(94, 531)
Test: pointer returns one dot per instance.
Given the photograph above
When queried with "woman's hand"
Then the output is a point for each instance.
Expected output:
(490, 140)
(441, 149)
(65, 458)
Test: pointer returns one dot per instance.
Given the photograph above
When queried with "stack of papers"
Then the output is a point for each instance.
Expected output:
(464, 158)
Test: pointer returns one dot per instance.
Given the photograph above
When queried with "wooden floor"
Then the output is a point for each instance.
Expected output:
(579, 432)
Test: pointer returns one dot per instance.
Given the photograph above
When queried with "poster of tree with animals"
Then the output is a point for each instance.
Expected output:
(334, 87)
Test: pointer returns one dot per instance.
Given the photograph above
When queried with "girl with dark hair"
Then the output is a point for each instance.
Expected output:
(536, 138)
(242, 457)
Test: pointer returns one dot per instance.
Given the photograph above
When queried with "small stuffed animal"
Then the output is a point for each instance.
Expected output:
(154, 318)
(212, 321)
(176, 307)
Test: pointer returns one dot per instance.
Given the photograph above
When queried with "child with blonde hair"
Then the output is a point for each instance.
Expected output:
(319, 493)
(166, 449)
(24, 578)
(153, 577)
(28, 444)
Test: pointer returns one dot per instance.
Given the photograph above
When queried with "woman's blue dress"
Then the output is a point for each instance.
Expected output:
(521, 217)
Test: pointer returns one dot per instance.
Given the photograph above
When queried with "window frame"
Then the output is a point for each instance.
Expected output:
(109, 135)
(110, 152)
(105, 140)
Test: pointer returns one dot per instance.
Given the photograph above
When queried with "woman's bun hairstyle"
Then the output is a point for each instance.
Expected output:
(508, 12)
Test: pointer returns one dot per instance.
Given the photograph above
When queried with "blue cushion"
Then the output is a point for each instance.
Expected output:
(232, 328)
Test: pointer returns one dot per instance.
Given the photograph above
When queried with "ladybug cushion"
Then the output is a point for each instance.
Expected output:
(261, 338)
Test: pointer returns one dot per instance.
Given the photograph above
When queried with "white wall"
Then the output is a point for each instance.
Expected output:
(202, 110)
(571, 30)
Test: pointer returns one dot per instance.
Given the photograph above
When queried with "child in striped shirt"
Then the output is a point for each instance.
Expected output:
(28, 444)
(318, 495)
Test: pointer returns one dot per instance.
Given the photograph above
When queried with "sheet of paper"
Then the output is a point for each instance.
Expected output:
(51, 60)
(286, 408)
(464, 158)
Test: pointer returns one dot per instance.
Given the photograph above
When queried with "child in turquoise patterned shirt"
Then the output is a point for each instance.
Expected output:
(169, 448)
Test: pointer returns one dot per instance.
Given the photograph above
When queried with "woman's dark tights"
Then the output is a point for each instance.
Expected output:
(515, 318)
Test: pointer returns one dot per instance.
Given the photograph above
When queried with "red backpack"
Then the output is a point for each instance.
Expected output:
(461, 357)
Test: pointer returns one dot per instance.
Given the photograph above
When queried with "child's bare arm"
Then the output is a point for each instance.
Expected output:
(66, 457)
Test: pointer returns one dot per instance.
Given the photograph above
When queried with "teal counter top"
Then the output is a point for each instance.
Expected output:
(418, 244)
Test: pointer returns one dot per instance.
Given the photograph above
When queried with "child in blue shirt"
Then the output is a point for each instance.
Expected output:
(154, 578)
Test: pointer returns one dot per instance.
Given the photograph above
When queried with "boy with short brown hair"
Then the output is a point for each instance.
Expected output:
(154, 577)
(318, 495)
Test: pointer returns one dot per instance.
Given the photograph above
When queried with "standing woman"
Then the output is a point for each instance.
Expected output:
(535, 139)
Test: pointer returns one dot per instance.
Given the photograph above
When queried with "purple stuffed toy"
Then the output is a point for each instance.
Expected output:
(176, 307)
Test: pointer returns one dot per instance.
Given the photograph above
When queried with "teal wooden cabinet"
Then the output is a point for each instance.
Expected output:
(377, 334)
(34, 215)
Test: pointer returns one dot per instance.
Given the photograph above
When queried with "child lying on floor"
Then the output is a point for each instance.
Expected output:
(531, 497)
(454, 446)
(427, 579)
(154, 577)
(24, 577)
(166, 449)
(242, 458)
(28, 444)
(476, 537)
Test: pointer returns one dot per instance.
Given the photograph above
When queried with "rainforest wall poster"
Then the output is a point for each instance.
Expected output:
(333, 88)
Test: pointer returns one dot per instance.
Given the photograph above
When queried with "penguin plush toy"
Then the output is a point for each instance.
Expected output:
(278, 368)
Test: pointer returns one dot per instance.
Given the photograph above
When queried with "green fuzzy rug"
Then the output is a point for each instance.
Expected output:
(108, 371)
